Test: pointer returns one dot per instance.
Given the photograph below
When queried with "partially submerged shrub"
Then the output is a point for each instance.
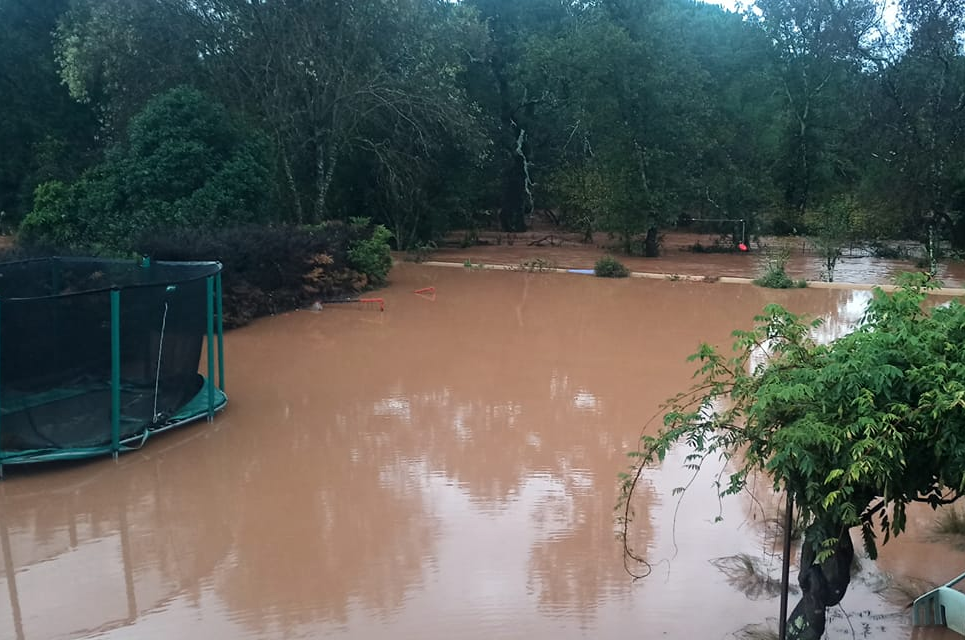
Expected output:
(773, 271)
(718, 246)
(537, 265)
(269, 269)
(421, 251)
(950, 521)
(745, 573)
(760, 631)
(369, 252)
(610, 267)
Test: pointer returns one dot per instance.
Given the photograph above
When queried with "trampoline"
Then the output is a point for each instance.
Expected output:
(98, 355)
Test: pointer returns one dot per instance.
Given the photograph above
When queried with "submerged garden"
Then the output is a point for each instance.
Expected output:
(302, 143)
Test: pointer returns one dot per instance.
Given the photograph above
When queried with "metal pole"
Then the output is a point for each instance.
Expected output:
(115, 370)
(217, 282)
(209, 285)
(786, 565)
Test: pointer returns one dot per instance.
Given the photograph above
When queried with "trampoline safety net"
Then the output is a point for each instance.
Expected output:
(95, 355)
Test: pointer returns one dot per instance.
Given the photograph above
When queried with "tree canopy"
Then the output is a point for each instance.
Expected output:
(184, 163)
(854, 430)
(623, 116)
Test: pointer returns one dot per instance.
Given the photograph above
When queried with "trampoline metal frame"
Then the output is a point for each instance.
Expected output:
(216, 398)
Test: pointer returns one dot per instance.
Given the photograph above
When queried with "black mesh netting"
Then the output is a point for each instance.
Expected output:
(55, 348)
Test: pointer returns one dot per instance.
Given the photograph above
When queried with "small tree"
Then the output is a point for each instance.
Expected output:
(854, 431)
(831, 228)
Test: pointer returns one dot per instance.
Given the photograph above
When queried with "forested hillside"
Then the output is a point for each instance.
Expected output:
(830, 117)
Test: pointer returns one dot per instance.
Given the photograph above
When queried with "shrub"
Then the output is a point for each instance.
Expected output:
(610, 267)
(773, 273)
(268, 269)
(371, 254)
(421, 251)
(184, 163)
(50, 222)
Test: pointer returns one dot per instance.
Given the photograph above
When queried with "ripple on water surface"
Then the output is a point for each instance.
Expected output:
(445, 469)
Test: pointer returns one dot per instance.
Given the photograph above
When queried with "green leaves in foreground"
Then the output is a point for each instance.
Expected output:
(855, 430)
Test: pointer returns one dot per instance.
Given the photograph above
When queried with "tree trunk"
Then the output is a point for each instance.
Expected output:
(324, 171)
(292, 187)
(513, 206)
(652, 244)
(822, 585)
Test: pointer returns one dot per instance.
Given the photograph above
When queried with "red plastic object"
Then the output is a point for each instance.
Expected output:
(379, 300)
(742, 247)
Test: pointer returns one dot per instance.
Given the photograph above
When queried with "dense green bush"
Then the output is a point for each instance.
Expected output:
(370, 253)
(185, 163)
(272, 269)
(610, 267)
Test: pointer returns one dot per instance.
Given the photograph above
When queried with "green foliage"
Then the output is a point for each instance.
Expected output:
(371, 255)
(832, 226)
(47, 136)
(50, 221)
(610, 267)
(186, 163)
(855, 430)
(433, 116)
(773, 271)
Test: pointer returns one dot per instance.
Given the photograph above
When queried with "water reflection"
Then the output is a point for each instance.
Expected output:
(844, 319)
(445, 469)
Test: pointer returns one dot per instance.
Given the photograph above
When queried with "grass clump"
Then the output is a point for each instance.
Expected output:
(610, 267)
(774, 272)
(537, 265)
(765, 631)
(949, 527)
(746, 574)
(950, 521)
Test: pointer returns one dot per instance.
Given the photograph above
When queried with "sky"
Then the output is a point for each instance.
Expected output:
(890, 11)
(727, 4)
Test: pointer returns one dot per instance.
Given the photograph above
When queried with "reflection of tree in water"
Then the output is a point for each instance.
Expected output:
(319, 527)
(491, 451)
(170, 536)
(523, 399)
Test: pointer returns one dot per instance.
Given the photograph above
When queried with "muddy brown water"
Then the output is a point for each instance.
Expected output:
(445, 469)
(675, 258)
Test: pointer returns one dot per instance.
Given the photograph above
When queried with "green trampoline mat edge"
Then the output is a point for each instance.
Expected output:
(195, 409)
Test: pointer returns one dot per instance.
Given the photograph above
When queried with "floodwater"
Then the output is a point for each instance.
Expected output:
(445, 469)
(676, 258)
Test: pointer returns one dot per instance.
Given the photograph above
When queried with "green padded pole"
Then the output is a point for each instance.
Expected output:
(115, 370)
(209, 282)
(217, 282)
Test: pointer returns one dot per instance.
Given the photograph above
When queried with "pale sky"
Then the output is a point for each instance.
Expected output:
(890, 11)
(727, 4)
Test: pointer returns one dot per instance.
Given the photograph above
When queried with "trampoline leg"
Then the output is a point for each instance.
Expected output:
(219, 313)
(211, 372)
(115, 371)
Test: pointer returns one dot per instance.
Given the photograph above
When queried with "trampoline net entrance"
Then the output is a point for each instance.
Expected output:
(95, 355)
